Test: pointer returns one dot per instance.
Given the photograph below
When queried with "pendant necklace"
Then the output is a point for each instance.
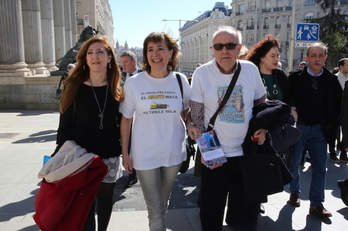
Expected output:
(275, 91)
(101, 112)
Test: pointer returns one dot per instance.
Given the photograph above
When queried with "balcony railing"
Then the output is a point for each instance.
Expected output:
(277, 8)
(288, 8)
(239, 13)
(265, 26)
(250, 27)
(266, 10)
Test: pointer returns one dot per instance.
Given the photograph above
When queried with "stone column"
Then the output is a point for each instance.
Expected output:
(12, 61)
(32, 36)
(59, 30)
(74, 22)
(67, 18)
(47, 24)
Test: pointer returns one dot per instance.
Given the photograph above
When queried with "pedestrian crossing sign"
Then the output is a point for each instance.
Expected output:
(307, 32)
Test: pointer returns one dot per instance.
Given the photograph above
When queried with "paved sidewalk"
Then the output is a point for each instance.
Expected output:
(25, 136)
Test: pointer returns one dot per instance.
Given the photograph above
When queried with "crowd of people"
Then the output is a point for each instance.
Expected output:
(139, 117)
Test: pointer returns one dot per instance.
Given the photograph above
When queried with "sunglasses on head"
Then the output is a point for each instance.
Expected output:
(229, 46)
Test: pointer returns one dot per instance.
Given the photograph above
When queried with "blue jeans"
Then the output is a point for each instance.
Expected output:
(157, 185)
(313, 138)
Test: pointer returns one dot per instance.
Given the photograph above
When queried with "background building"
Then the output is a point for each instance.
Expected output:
(255, 18)
(34, 34)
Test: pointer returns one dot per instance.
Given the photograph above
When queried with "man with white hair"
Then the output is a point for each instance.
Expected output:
(209, 84)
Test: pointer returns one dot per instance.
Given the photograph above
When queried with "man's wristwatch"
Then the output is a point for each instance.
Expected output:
(191, 123)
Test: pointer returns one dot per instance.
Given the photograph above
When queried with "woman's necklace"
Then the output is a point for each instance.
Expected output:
(275, 91)
(101, 112)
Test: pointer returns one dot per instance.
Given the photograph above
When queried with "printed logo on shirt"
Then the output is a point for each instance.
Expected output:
(158, 106)
(233, 111)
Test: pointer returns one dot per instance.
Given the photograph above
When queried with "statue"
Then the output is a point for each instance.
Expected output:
(70, 56)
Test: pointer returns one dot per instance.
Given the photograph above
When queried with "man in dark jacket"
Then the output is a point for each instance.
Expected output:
(130, 68)
(316, 94)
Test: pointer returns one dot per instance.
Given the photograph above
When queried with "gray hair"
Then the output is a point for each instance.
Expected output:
(318, 44)
(230, 30)
(130, 54)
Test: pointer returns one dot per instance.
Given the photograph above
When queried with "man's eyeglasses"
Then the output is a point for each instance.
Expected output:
(229, 46)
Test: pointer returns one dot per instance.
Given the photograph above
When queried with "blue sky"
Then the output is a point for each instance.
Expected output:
(135, 19)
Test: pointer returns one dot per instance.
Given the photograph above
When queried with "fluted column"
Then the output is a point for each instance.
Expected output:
(73, 22)
(67, 18)
(12, 60)
(33, 36)
(47, 25)
(59, 30)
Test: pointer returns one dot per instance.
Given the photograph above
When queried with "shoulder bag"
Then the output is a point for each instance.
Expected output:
(198, 163)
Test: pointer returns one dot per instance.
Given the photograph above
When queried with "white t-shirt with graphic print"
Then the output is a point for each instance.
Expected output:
(158, 135)
(209, 86)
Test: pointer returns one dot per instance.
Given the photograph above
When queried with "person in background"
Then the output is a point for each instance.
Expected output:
(64, 76)
(301, 65)
(316, 94)
(130, 68)
(90, 116)
(343, 184)
(243, 54)
(335, 70)
(209, 83)
(153, 105)
(265, 55)
(190, 77)
(342, 76)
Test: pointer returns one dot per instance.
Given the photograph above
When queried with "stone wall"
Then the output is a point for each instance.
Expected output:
(29, 93)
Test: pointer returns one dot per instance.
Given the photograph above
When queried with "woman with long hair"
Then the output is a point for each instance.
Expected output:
(90, 116)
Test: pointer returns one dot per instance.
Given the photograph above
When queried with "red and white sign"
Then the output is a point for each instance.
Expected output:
(86, 20)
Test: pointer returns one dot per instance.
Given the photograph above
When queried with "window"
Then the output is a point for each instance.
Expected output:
(250, 39)
(250, 24)
(266, 23)
(240, 25)
(277, 22)
(241, 8)
(251, 5)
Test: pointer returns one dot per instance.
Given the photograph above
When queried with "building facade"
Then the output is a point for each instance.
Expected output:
(34, 34)
(254, 18)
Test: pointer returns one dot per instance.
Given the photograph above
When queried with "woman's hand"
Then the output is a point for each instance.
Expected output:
(127, 163)
(259, 136)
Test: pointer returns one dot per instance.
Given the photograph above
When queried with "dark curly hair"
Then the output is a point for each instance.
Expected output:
(262, 48)
(171, 44)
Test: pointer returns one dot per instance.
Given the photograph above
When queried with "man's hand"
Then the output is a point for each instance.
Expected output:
(259, 136)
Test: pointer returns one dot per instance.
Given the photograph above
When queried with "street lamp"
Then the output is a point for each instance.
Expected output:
(179, 20)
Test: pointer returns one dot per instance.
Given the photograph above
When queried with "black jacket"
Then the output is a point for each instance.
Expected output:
(345, 117)
(333, 98)
(283, 83)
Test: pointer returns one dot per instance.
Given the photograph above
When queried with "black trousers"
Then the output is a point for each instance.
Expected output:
(216, 185)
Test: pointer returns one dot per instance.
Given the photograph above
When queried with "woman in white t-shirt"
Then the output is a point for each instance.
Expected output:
(154, 104)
